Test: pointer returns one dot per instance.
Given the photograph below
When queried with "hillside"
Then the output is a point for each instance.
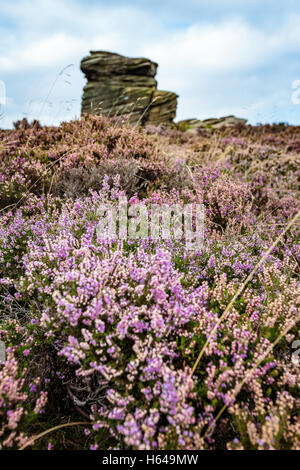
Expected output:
(106, 332)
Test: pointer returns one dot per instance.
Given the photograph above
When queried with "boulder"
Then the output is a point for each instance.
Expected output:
(124, 86)
(191, 125)
(226, 121)
(162, 108)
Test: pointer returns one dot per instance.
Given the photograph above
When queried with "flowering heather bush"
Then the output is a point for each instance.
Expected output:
(74, 159)
(21, 400)
(107, 331)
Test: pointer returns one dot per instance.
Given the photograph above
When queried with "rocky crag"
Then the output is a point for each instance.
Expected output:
(123, 86)
(192, 125)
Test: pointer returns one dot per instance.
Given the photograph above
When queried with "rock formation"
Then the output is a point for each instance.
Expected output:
(123, 86)
(191, 125)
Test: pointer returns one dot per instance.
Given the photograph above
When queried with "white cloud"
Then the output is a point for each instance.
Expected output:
(227, 48)
(51, 51)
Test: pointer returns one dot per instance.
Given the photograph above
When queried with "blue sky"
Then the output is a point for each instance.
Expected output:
(220, 56)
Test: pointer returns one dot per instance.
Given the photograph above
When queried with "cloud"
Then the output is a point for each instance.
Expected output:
(229, 47)
(48, 52)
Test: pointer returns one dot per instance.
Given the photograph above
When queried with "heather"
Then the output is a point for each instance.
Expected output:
(106, 332)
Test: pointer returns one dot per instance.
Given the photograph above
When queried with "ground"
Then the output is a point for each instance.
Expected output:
(105, 332)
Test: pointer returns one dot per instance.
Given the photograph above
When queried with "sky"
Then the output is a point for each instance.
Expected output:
(221, 57)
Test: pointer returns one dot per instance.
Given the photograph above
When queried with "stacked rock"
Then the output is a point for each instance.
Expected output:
(192, 125)
(124, 86)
